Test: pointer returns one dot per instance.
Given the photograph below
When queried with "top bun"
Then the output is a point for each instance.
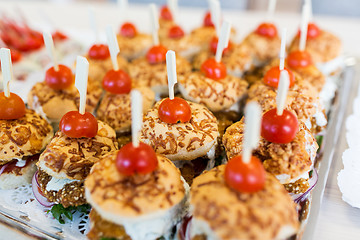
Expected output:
(25, 136)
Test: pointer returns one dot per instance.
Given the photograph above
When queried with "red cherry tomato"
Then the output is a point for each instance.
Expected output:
(15, 56)
(131, 160)
(128, 30)
(29, 42)
(165, 13)
(272, 77)
(207, 20)
(76, 125)
(117, 82)
(156, 54)
(213, 45)
(59, 36)
(279, 129)
(61, 79)
(245, 177)
(176, 32)
(313, 31)
(12, 107)
(99, 52)
(267, 30)
(174, 111)
(213, 69)
(299, 59)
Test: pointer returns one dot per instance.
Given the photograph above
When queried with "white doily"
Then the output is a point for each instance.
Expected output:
(20, 204)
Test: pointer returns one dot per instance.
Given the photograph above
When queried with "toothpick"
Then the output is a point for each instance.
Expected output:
(304, 27)
(81, 80)
(173, 6)
(154, 24)
(136, 116)
(171, 72)
(223, 40)
(49, 44)
(309, 2)
(93, 24)
(215, 11)
(271, 10)
(282, 91)
(113, 46)
(252, 130)
(124, 6)
(282, 49)
(6, 68)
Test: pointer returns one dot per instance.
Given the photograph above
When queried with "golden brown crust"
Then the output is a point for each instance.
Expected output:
(115, 109)
(131, 48)
(181, 141)
(230, 215)
(263, 49)
(165, 26)
(98, 68)
(322, 49)
(185, 46)
(204, 35)
(72, 158)
(111, 192)
(25, 136)
(291, 159)
(154, 75)
(55, 103)
(216, 95)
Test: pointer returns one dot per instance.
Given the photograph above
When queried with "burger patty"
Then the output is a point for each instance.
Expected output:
(72, 194)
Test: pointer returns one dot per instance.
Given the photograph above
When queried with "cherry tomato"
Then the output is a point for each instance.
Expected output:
(131, 160)
(28, 42)
(76, 125)
(245, 177)
(61, 79)
(59, 36)
(213, 69)
(299, 59)
(207, 20)
(176, 32)
(313, 31)
(267, 30)
(174, 111)
(165, 13)
(156, 54)
(12, 107)
(15, 56)
(117, 82)
(213, 45)
(272, 77)
(279, 129)
(128, 30)
(99, 52)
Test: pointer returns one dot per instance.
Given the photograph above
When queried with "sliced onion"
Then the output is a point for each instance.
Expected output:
(36, 190)
(312, 182)
(184, 231)
(3, 167)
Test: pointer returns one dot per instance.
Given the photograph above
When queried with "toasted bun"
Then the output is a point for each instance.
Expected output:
(263, 49)
(323, 48)
(53, 104)
(135, 47)
(98, 68)
(25, 136)
(115, 109)
(185, 46)
(181, 141)
(155, 75)
(291, 159)
(266, 214)
(72, 158)
(11, 180)
(215, 95)
(116, 196)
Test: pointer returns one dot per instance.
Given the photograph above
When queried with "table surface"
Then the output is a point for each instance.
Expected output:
(337, 219)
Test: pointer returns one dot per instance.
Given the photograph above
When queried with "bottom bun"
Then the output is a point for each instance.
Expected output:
(11, 180)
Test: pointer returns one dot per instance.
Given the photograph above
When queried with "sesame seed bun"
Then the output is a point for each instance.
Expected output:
(53, 104)
(72, 158)
(137, 46)
(25, 136)
(181, 141)
(267, 214)
(185, 46)
(10, 180)
(116, 196)
(98, 68)
(115, 109)
(215, 95)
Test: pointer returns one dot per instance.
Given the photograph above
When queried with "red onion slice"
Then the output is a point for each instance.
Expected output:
(38, 196)
(312, 182)
(2, 168)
